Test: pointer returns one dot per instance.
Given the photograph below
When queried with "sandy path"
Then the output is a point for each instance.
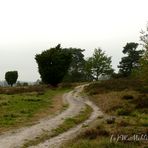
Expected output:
(55, 142)
(16, 138)
(76, 104)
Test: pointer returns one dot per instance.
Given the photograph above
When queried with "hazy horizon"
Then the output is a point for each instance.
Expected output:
(30, 26)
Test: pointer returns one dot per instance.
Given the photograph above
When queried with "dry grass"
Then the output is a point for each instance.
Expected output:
(111, 101)
(106, 86)
(24, 89)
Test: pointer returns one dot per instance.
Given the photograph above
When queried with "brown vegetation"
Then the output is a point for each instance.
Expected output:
(23, 89)
(124, 99)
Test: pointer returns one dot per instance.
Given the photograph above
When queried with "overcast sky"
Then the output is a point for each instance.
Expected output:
(27, 27)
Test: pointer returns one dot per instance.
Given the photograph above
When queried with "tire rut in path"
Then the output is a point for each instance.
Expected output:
(56, 142)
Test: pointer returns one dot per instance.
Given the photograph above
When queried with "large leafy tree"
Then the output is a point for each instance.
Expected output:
(76, 68)
(11, 77)
(98, 65)
(53, 64)
(131, 61)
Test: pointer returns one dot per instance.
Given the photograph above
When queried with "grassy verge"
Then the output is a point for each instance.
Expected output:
(23, 109)
(65, 126)
(127, 101)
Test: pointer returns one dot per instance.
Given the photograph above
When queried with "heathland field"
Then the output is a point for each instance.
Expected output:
(124, 103)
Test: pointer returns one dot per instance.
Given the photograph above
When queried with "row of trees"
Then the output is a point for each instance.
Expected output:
(68, 64)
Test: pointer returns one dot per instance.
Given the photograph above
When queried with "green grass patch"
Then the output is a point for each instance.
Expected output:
(21, 109)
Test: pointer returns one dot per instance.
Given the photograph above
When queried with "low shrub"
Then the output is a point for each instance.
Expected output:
(90, 134)
(123, 112)
(93, 133)
(114, 108)
(66, 85)
(144, 89)
(40, 94)
(142, 101)
(4, 103)
(11, 115)
(110, 120)
(32, 99)
(122, 123)
(128, 97)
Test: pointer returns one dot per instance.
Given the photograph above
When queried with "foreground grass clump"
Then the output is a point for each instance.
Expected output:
(97, 143)
(127, 101)
(65, 126)
(97, 137)
(23, 108)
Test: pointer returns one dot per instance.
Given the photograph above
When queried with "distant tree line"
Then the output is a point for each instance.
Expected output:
(68, 65)
(59, 64)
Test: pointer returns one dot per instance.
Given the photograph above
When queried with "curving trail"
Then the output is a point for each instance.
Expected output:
(76, 104)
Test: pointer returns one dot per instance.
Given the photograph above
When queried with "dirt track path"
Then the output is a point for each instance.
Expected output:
(76, 104)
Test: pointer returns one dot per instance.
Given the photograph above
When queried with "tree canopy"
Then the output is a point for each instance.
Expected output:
(11, 77)
(98, 65)
(76, 68)
(131, 61)
(53, 64)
